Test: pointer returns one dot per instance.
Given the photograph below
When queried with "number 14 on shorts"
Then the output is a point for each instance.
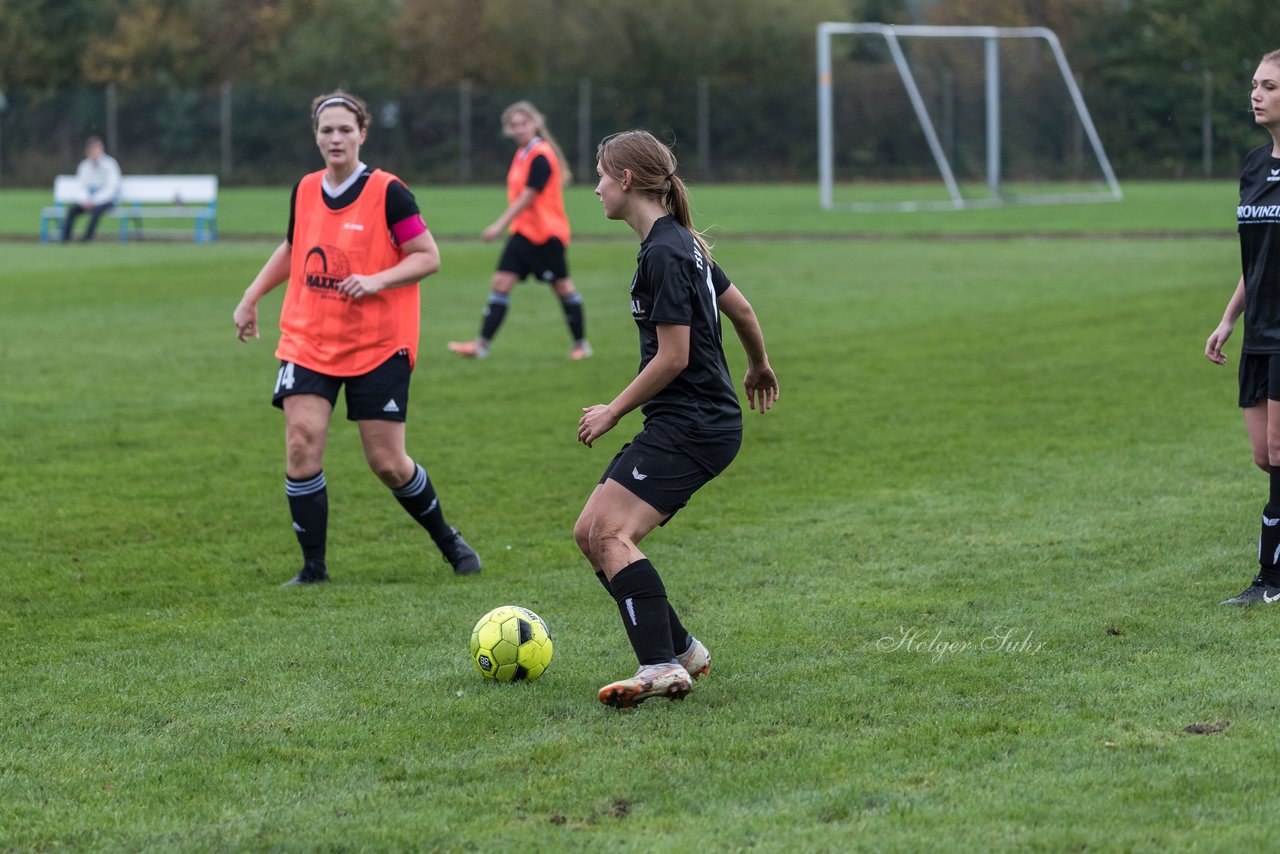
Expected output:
(285, 378)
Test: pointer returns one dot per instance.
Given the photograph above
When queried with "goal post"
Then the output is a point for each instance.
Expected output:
(995, 193)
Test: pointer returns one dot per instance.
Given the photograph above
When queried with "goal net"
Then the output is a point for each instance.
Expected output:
(923, 117)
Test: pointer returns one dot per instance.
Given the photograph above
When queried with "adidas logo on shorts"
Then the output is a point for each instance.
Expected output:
(391, 406)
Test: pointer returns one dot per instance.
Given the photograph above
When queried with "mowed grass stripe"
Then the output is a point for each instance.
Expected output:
(784, 211)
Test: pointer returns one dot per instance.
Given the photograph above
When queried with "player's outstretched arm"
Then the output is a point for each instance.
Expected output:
(499, 225)
(1213, 346)
(272, 274)
(760, 383)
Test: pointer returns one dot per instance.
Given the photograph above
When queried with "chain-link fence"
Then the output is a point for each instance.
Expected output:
(251, 135)
(1193, 125)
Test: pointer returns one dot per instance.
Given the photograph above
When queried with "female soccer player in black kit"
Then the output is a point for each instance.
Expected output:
(1257, 296)
(693, 423)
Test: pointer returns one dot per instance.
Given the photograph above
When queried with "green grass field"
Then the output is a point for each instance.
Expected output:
(727, 210)
(961, 586)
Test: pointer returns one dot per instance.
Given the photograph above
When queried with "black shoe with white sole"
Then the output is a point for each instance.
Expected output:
(1257, 593)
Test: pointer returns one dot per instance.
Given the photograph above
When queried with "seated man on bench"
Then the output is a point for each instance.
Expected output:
(99, 175)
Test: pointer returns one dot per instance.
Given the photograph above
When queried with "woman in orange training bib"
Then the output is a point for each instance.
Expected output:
(539, 230)
(355, 251)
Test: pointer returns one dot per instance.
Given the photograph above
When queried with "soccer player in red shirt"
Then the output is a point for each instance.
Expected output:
(356, 248)
(539, 230)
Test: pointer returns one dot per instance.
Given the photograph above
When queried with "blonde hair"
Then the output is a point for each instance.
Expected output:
(540, 128)
(653, 173)
(339, 98)
(1272, 56)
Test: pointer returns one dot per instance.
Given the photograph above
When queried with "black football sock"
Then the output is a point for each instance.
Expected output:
(681, 640)
(642, 602)
(1269, 546)
(418, 497)
(572, 306)
(495, 311)
(309, 507)
(1269, 540)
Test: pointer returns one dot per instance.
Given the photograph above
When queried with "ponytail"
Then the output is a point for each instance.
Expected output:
(676, 201)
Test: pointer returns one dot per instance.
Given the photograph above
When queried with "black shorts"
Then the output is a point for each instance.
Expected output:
(1259, 378)
(380, 395)
(664, 466)
(546, 261)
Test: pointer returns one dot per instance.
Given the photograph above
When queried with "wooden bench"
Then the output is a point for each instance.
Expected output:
(193, 197)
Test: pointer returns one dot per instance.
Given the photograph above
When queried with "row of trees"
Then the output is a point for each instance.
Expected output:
(504, 43)
(1163, 78)
(379, 44)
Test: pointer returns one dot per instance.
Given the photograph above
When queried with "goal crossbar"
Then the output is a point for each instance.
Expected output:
(990, 36)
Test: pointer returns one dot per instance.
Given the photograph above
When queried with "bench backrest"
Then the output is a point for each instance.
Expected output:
(67, 190)
(144, 189)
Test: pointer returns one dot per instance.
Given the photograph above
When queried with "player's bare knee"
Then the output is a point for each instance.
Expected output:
(302, 452)
(582, 536)
(389, 476)
(604, 539)
(387, 468)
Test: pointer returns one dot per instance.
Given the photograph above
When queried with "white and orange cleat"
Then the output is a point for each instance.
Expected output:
(696, 659)
(470, 349)
(581, 350)
(651, 680)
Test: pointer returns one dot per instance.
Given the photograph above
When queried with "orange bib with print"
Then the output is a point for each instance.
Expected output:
(323, 329)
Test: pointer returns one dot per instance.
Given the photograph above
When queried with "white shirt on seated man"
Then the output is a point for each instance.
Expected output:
(99, 176)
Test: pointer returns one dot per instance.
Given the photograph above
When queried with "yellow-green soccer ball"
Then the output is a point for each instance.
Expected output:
(511, 644)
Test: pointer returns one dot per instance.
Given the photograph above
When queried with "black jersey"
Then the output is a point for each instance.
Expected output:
(675, 284)
(1258, 222)
(400, 202)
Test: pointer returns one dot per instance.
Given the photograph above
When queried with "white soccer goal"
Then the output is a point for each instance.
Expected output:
(1052, 170)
